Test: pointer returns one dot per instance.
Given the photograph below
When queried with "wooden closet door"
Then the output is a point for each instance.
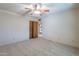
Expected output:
(33, 29)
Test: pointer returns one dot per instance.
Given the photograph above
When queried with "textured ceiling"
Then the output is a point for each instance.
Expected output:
(19, 8)
(13, 7)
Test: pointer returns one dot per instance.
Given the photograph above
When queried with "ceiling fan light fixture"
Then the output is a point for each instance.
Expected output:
(37, 12)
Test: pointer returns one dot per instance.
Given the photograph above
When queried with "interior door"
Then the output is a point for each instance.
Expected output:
(33, 29)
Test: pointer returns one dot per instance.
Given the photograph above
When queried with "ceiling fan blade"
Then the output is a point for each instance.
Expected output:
(26, 8)
(27, 12)
(27, 5)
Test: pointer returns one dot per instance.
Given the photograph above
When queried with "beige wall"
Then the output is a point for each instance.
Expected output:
(13, 28)
(62, 27)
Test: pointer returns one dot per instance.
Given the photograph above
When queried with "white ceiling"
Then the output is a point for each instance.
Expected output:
(13, 7)
(19, 8)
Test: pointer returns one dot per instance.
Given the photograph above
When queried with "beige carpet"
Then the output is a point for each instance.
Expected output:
(38, 47)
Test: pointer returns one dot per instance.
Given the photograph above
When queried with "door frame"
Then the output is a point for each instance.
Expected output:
(32, 28)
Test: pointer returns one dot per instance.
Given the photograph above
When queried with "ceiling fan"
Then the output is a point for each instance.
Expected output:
(36, 9)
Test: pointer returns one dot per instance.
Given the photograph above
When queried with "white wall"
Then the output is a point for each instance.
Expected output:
(62, 27)
(13, 28)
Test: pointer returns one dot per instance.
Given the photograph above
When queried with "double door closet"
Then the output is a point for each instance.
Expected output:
(33, 29)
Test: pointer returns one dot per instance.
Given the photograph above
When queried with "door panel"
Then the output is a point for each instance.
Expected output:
(35, 29)
(30, 29)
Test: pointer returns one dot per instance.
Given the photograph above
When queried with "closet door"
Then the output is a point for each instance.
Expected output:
(33, 29)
